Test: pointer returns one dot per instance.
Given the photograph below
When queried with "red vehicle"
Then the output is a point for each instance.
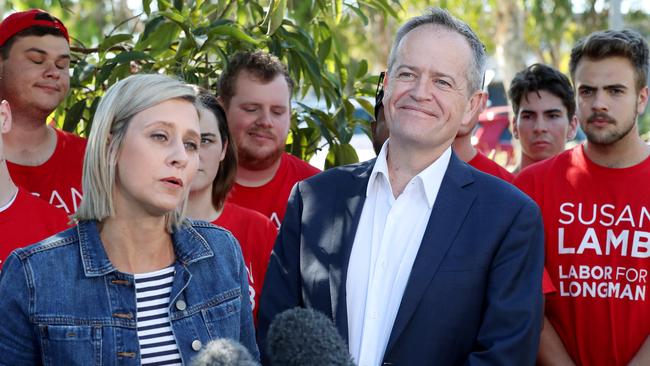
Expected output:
(492, 134)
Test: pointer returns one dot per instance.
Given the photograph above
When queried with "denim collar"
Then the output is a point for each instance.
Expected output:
(189, 247)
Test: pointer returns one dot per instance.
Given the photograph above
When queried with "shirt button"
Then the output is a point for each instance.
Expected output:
(196, 345)
(181, 305)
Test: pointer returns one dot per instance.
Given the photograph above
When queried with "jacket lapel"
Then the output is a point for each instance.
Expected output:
(346, 220)
(448, 213)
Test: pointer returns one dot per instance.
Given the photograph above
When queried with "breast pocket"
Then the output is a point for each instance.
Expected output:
(222, 318)
(71, 345)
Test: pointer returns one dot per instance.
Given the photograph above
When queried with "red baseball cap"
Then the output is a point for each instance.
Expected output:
(19, 21)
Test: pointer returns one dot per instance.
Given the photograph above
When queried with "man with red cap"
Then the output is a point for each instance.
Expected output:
(34, 79)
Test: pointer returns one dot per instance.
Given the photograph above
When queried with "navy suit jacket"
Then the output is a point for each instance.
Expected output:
(474, 295)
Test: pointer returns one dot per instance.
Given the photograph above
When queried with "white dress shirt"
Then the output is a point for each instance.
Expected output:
(385, 246)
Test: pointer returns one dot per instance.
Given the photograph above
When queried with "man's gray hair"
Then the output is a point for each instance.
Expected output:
(442, 18)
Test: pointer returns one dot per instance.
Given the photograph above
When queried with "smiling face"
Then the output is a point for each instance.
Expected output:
(158, 159)
(211, 151)
(259, 116)
(607, 100)
(36, 76)
(542, 126)
(427, 97)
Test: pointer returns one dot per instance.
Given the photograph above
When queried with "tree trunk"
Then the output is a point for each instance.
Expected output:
(510, 45)
(615, 16)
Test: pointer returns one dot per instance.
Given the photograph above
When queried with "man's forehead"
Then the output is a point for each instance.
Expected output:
(246, 75)
(434, 39)
(541, 99)
(607, 71)
(48, 43)
(432, 32)
(275, 89)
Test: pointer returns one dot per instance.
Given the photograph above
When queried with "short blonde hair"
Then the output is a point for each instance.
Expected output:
(117, 107)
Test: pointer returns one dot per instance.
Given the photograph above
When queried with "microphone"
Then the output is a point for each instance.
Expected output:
(299, 337)
(224, 352)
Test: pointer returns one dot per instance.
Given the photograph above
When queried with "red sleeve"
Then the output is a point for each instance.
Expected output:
(547, 284)
(525, 182)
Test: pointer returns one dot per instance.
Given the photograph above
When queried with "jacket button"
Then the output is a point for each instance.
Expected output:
(196, 345)
(181, 305)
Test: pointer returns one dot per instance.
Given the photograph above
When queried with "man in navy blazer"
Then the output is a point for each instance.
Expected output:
(418, 258)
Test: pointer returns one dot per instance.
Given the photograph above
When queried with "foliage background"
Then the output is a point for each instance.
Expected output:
(334, 48)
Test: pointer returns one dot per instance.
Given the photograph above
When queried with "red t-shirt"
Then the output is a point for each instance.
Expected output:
(487, 165)
(58, 180)
(256, 235)
(547, 283)
(597, 229)
(26, 221)
(271, 198)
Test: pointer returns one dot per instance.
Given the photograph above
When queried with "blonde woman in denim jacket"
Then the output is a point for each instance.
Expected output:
(84, 296)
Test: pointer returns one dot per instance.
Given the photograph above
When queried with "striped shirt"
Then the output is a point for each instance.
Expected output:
(157, 343)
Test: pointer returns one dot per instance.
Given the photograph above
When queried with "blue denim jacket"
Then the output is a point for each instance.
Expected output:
(63, 302)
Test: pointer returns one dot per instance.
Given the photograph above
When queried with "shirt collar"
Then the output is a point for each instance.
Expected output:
(189, 246)
(430, 178)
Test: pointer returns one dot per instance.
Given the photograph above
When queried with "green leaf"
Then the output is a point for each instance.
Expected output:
(274, 16)
(113, 40)
(146, 6)
(338, 10)
(82, 72)
(164, 5)
(104, 72)
(150, 27)
(340, 154)
(369, 107)
(324, 49)
(362, 69)
(184, 49)
(73, 115)
(91, 113)
(231, 31)
(173, 16)
(383, 6)
(120, 72)
(359, 13)
(297, 38)
(126, 57)
(312, 68)
(161, 39)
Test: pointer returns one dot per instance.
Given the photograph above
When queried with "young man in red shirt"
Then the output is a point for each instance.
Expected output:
(544, 113)
(595, 203)
(34, 79)
(255, 91)
(24, 219)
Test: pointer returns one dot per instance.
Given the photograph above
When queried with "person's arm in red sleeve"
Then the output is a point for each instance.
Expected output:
(547, 284)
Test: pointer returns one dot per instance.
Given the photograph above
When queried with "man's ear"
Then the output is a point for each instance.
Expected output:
(474, 108)
(572, 129)
(5, 117)
(515, 130)
(642, 100)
